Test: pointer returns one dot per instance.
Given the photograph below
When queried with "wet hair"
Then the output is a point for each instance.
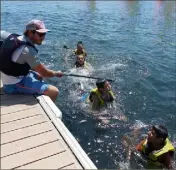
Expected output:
(80, 43)
(26, 32)
(160, 131)
(100, 83)
(80, 56)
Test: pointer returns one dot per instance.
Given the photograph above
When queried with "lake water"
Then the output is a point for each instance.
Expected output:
(132, 42)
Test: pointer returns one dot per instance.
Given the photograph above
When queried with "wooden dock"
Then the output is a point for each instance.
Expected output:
(34, 137)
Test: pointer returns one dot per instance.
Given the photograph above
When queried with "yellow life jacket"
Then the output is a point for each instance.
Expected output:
(84, 53)
(85, 64)
(96, 91)
(153, 156)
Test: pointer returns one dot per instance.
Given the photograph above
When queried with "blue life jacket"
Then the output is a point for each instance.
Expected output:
(7, 47)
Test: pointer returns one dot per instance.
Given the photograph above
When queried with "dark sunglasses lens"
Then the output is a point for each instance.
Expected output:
(41, 34)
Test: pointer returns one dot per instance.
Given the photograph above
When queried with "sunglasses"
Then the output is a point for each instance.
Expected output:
(39, 34)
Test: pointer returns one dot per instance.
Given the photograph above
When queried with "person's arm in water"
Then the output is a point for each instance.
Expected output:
(45, 72)
(139, 146)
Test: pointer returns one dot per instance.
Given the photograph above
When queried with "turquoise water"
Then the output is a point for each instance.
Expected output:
(132, 42)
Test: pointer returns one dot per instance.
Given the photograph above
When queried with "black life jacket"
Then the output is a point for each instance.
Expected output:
(7, 66)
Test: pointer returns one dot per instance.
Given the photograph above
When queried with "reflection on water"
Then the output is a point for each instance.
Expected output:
(92, 5)
(133, 7)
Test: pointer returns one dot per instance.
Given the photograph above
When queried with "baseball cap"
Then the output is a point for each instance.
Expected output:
(36, 25)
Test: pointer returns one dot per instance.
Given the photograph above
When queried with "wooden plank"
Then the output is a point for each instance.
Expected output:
(22, 114)
(28, 143)
(72, 166)
(32, 155)
(29, 140)
(48, 105)
(18, 107)
(22, 123)
(16, 100)
(24, 132)
(55, 162)
(16, 96)
(72, 143)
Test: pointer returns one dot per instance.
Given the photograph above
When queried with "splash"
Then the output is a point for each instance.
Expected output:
(138, 125)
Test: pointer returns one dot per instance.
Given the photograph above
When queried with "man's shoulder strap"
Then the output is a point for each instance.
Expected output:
(27, 43)
(13, 35)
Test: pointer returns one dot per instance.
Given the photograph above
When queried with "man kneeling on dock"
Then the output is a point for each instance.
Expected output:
(21, 71)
